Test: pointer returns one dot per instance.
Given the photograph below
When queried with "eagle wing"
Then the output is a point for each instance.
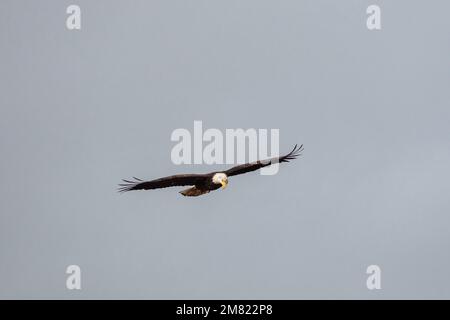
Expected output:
(171, 181)
(248, 167)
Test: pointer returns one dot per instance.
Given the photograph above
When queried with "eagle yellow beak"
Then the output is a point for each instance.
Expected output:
(224, 183)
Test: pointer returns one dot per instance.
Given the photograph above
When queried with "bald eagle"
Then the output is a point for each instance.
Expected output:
(204, 183)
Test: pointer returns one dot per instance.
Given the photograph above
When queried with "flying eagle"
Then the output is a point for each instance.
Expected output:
(204, 183)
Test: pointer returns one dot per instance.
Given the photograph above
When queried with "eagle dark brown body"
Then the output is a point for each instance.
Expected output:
(204, 183)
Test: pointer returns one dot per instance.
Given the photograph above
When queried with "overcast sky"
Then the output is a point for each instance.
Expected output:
(82, 109)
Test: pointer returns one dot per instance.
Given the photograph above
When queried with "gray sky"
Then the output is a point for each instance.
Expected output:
(82, 109)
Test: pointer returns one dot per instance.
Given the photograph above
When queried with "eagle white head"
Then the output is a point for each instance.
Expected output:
(220, 178)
